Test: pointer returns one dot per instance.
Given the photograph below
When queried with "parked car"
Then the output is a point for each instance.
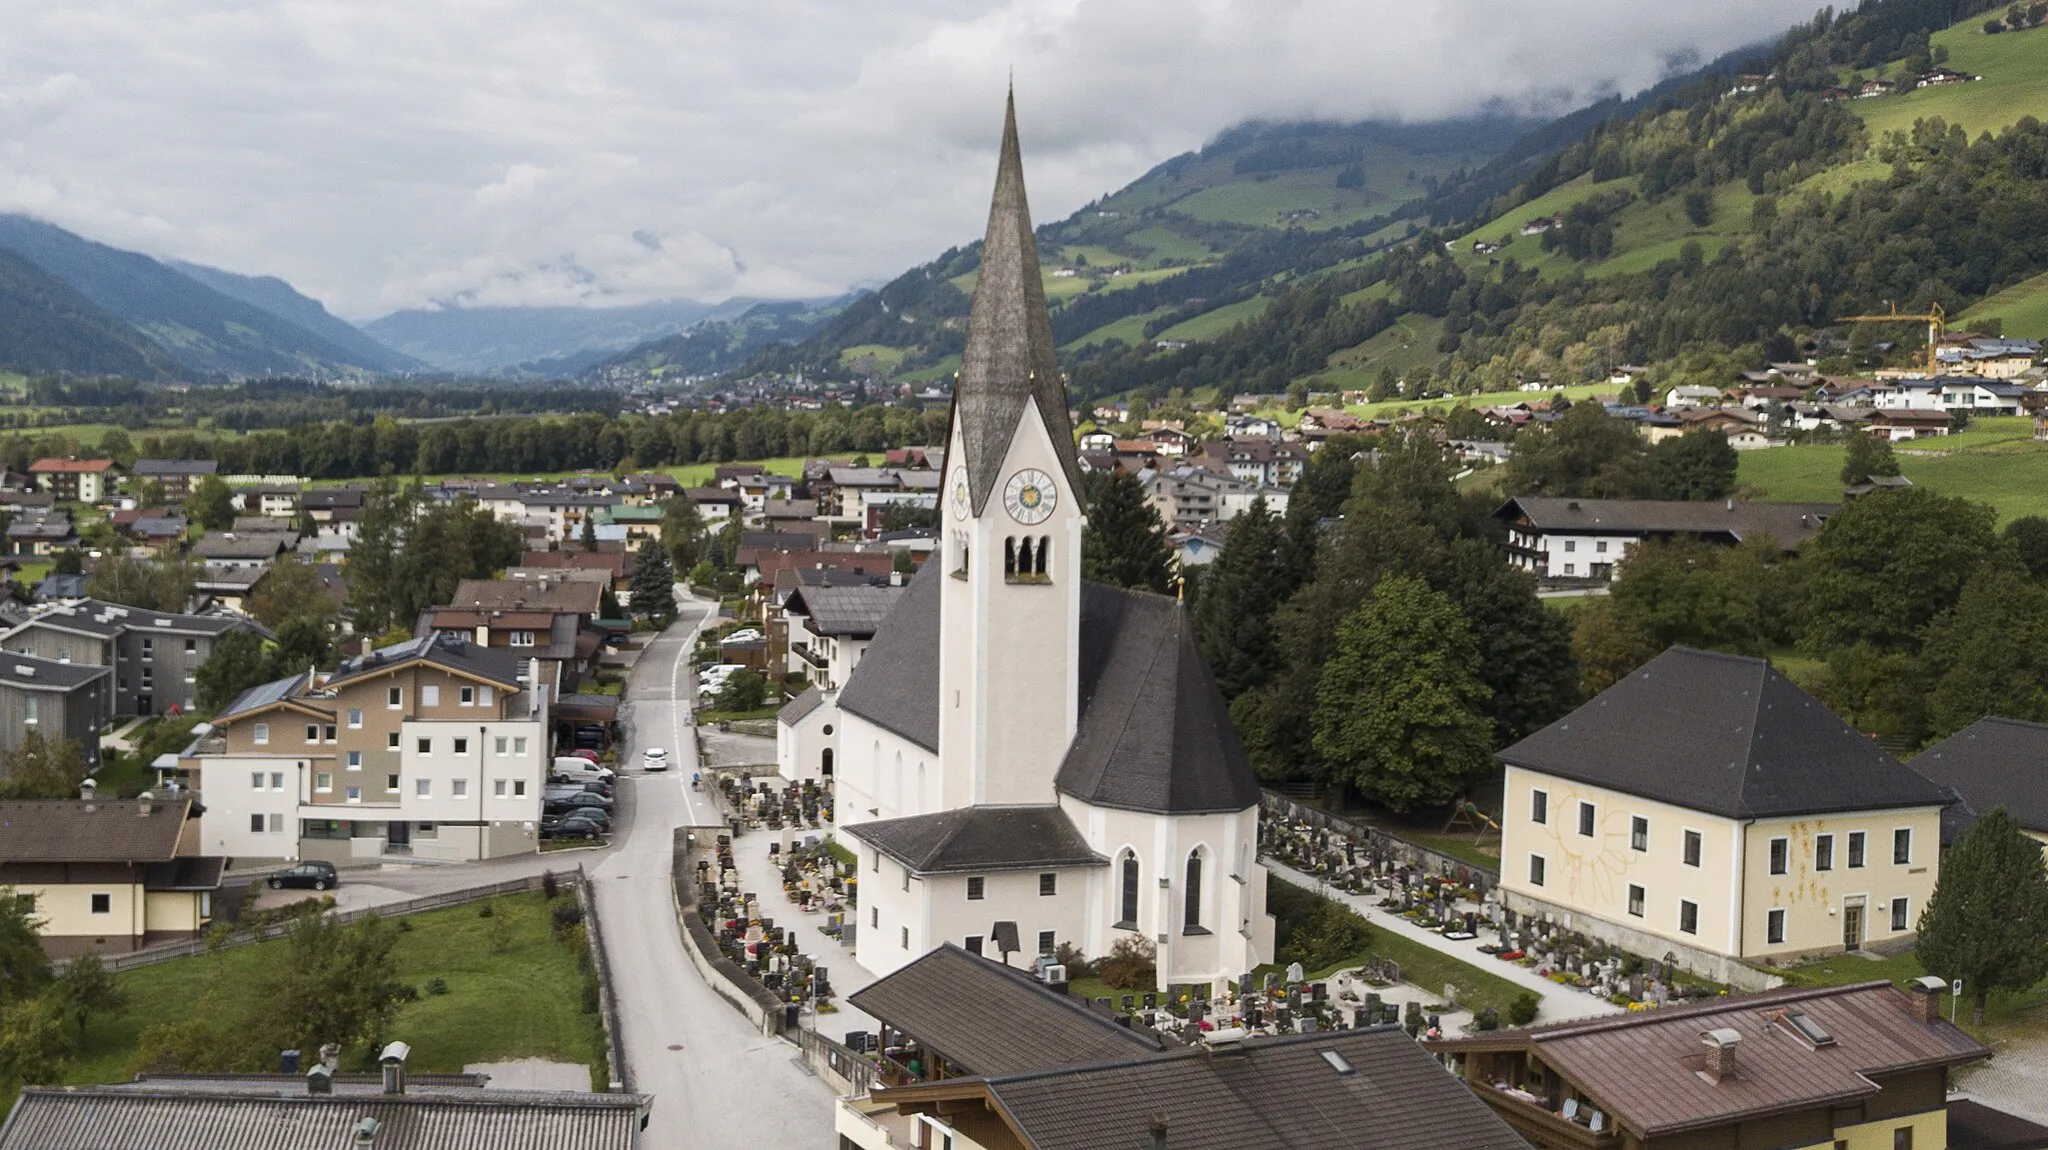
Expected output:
(316, 875)
(566, 794)
(583, 753)
(596, 815)
(654, 759)
(569, 828)
(745, 635)
(578, 768)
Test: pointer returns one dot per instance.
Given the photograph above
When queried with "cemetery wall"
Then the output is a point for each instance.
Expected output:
(1276, 805)
(1704, 963)
(718, 971)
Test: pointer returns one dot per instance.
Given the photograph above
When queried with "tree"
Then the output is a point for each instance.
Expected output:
(1399, 709)
(292, 590)
(2029, 537)
(1125, 542)
(301, 643)
(653, 584)
(238, 662)
(35, 1043)
(1297, 395)
(150, 493)
(1987, 921)
(1240, 593)
(1609, 644)
(1868, 457)
(164, 584)
(742, 691)
(590, 533)
(1989, 650)
(1699, 206)
(445, 544)
(1584, 452)
(682, 532)
(339, 985)
(68, 562)
(909, 517)
(374, 570)
(24, 968)
(43, 768)
(1885, 565)
(1697, 465)
(211, 504)
(87, 989)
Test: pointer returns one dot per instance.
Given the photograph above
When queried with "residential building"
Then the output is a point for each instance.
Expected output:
(1693, 396)
(155, 655)
(391, 1110)
(227, 585)
(108, 875)
(1899, 426)
(328, 504)
(1707, 808)
(1854, 1066)
(277, 501)
(641, 522)
(75, 480)
(176, 475)
(59, 701)
(549, 618)
(1011, 721)
(432, 748)
(44, 533)
(233, 549)
(980, 1055)
(1587, 538)
(1993, 762)
(831, 627)
(1260, 461)
(715, 504)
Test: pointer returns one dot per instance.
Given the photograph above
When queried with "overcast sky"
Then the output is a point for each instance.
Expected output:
(382, 154)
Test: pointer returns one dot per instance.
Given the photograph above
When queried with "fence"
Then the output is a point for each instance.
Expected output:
(196, 946)
(849, 1074)
(617, 1074)
(1436, 862)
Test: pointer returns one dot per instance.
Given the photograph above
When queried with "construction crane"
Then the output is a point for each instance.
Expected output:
(1935, 319)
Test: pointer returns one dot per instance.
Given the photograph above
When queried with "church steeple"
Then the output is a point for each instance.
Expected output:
(1009, 364)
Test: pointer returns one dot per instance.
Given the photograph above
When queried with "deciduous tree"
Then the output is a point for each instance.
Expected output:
(211, 504)
(1868, 457)
(43, 768)
(239, 661)
(1697, 465)
(291, 590)
(87, 989)
(1885, 565)
(1987, 922)
(1989, 651)
(24, 968)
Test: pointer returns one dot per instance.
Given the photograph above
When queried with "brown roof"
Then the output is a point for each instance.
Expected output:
(463, 617)
(1643, 1069)
(109, 830)
(577, 596)
(612, 561)
(93, 466)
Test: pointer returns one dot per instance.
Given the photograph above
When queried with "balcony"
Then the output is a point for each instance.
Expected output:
(1535, 1121)
(803, 651)
(872, 1125)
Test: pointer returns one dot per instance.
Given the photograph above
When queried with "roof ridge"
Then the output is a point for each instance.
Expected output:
(1600, 1025)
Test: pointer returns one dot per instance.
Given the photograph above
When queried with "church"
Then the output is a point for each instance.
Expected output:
(1023, 760)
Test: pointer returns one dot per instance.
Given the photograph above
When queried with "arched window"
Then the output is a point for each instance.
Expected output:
(1044, 549)
(825, 766)
(1024, 556)
(1127, 905)
(1192, 914)
(1010, 557)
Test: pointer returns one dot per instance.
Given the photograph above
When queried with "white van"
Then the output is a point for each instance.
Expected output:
(579, 769)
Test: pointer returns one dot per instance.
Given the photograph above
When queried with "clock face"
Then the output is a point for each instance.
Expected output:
(1031, 496)
(962, 503)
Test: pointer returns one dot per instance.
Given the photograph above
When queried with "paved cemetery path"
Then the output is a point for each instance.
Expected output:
(718, 1083)
(1560, 1003)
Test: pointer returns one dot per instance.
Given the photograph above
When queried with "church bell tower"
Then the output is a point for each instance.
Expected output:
(1011, 520)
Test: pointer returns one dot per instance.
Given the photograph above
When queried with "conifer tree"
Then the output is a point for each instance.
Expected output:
(1240, 592)
(653, 584)
(1987, 922)
(1125, 543)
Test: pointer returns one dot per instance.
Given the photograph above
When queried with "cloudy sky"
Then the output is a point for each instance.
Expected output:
(383, 154)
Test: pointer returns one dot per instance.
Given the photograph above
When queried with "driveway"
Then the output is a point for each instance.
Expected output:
(718, 1083)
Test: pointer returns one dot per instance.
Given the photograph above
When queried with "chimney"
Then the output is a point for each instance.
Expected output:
(1731, 505)
(393, 1060)
(320, 1079)
(86, 788)
(1157, 1129)
(1926, 995)
(1720, 1043)
(366, 1132)
(330, 1056)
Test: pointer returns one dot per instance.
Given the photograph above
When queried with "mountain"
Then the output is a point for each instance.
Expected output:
(286, 303)
(494, 339)
(718, 345)
(47, 327)
(206, 331)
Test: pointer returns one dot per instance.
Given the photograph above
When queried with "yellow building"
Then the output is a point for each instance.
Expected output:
(113, 875)
(1708, 809)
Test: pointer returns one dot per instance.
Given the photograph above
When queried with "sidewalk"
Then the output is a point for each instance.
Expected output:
(1560, 1003)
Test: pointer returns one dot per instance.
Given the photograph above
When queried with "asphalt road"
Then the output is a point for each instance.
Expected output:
(718, 1084)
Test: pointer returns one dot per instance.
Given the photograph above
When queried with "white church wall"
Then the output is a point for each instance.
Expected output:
(1009, 896)
(804, 749)
(879, 774)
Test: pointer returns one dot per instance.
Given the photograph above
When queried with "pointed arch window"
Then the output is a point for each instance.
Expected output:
(1191, 915)
(1127, 899)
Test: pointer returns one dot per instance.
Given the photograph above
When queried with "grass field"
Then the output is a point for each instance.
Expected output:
(1997, 462)
(2015, 70)
(525, 1002)
(2022, 307)
(886, 357)
(1211, 324)
(1130, 329)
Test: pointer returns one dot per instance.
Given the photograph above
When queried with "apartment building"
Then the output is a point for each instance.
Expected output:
(431, 748)
(74, 480)
(155, 655)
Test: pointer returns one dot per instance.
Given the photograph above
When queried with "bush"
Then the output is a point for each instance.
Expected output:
(1132, 964)
(437, 986)
(550, 886)
(1077, 964)
(1314, 931)
(565, 915)
(1522, 1011)
(743, 691)
(487, 910)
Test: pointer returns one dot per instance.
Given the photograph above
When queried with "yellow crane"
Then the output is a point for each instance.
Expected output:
(1935, 319)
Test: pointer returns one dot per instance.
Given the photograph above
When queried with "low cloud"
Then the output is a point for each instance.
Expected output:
(383, 154)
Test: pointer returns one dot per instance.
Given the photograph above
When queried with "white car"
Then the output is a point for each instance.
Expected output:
(749, 635)
(654, 759)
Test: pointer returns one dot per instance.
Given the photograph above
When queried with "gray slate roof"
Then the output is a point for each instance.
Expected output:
(103, 830)
(164, 1116)
(1994, 762)
(1789, 523)
(147, 467)
(799, 708)
(1725, 734)
(229, 545)
(34, 674)
(1154, 734)
(1010, 360)
(497, 664)
(1276, 1094)
(989, 1019)
(262, 695)
(844, 610)
(980, 839)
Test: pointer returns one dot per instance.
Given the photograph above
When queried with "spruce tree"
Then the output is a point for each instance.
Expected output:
(653, 584)
(1987, 922)
(1400, 711)
(590, 533)
(1240, 592)
(1125, 543)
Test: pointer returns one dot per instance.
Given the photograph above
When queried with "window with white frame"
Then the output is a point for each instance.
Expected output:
(1537, 865)
(260, 734)
(423, 788)
(485, 696)
(276, 824)
(255, 780)
(519, 744)
(355, 718)
(323, 781)
(1902, 846)
(390, 784)
(1781, 856)
(459, 788)
(277, 780)
(355, 760)
(355, 794)
(424, 746)
(1691, 853)
(256, 824)
(1688, 916)
(394, 698)
(391, 740)
(466, 697)
(1899, 918)
(498, 746)
(461, 745)
(1824, 852)
(31, 708)
(518, 788)
(498, 788)
(430, 695)
(1774, 927)
(1539, 807)
(521, 639)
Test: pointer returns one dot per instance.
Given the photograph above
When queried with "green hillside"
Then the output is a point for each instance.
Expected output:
(45, 326)
(1997, 461)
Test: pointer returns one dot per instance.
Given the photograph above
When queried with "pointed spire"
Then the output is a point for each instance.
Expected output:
(1010, 362)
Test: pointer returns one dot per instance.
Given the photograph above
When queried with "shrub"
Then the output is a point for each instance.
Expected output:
(550, 886)
(1314, 931)
(1522, 1011)
(1077, 964)
(565, 915)
(1132, 964)
(437, 986)
(487, 910)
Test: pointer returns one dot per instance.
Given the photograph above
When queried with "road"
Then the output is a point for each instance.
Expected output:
(718, 1083)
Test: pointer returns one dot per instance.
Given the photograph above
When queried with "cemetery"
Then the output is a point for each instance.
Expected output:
(748, 934)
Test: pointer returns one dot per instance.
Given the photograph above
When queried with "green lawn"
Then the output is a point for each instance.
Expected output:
(2015, 70)
(1263, 202)
(885, 357)
(2005, 1014)
(523, 1003)
(1997, 462)
(2022, 307)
